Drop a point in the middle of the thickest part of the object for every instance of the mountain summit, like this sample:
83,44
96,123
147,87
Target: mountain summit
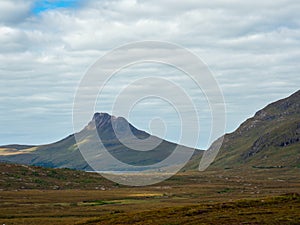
111,127
120,138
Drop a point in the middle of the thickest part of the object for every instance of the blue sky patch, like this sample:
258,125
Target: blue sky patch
45,5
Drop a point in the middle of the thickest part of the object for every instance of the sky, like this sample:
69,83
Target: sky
46,47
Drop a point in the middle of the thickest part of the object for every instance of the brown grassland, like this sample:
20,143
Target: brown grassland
245,196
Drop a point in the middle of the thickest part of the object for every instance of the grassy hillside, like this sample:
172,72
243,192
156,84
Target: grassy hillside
62,154
18,177
270,139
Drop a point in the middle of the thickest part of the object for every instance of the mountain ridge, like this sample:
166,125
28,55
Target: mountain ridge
269,139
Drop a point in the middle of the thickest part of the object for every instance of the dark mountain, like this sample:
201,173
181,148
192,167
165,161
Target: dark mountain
270,139
122,140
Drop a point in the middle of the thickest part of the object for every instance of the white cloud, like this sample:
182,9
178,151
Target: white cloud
14,11
252,47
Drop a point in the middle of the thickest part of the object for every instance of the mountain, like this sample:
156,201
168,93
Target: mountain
115,134
270,139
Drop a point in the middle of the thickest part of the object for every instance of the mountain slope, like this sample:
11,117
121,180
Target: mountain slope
114,134
269,139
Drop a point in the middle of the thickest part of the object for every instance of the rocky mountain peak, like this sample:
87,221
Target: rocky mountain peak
101,119
110,127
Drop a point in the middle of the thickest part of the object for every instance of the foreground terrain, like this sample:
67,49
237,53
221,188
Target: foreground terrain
245,196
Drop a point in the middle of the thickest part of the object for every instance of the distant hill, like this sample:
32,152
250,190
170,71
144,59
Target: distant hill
270,139
110,129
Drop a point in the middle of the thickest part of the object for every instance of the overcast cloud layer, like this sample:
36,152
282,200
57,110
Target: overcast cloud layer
253,48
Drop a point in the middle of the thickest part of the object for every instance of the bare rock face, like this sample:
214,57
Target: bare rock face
111,127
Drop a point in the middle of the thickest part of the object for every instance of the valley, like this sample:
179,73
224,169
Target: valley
253,196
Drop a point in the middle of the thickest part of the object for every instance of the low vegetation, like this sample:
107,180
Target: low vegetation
35,195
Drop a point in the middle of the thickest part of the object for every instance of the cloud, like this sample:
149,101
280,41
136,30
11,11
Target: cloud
14,11
45,49
12,40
